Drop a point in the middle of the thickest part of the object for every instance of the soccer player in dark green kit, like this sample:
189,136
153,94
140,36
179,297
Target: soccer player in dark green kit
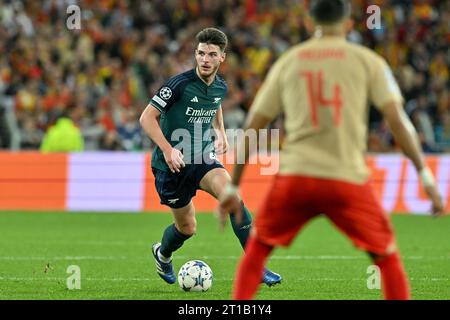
181,119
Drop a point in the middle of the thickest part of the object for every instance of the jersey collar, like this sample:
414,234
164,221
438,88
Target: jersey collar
197,77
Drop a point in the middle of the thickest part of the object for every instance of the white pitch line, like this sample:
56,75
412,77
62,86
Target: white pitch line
64,279
65,258
84,242
293,257
321,257
364,279
216,279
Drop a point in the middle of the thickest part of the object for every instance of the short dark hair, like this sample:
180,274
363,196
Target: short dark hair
329,11
213,36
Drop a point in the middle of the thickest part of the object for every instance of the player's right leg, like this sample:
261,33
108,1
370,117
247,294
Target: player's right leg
173,238
175,191
283,213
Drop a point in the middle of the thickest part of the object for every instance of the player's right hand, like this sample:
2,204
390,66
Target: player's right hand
437,205
174,159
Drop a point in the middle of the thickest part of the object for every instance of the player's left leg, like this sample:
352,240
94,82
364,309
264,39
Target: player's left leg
393,275
361,217
214,182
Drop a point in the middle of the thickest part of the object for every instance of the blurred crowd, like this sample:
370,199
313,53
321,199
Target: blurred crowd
103,75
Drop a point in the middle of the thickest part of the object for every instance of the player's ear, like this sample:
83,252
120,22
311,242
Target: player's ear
348,25
309,24
223,56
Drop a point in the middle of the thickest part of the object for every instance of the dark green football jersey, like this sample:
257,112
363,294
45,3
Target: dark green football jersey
188,107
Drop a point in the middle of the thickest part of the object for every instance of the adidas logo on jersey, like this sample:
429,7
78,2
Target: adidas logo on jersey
194,99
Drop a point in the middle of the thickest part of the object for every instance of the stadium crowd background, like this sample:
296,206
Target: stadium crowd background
104,74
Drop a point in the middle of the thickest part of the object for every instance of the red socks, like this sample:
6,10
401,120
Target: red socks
394,282
250,270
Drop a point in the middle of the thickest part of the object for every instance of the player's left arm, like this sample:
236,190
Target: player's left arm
386,96
221,144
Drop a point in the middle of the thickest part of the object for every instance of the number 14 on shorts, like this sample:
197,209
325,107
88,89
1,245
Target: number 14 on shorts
316,98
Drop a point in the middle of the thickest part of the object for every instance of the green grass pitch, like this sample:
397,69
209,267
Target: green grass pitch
113,253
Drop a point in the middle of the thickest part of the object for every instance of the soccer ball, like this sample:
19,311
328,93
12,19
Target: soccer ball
195,276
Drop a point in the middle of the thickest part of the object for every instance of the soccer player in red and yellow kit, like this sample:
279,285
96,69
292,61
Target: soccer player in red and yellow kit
323,87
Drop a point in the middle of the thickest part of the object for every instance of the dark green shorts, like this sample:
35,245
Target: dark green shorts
177,189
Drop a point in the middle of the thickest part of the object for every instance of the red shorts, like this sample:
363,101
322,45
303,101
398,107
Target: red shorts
353,209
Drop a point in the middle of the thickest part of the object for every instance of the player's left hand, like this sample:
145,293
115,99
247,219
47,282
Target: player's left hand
432,192
221,144
229,201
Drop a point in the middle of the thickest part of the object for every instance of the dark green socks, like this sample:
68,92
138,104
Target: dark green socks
171,241
242,231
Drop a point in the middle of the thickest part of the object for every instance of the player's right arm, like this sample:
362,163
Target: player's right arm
265,107
150,123
149,120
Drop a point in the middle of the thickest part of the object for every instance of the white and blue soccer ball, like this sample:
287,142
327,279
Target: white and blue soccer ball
195,276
